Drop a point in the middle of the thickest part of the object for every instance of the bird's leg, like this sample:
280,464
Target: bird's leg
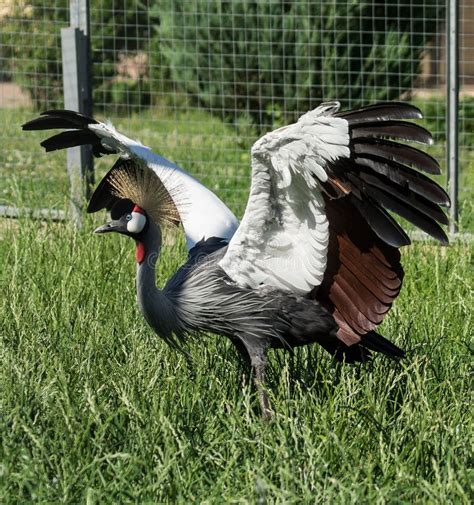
245,358
255,353
258,372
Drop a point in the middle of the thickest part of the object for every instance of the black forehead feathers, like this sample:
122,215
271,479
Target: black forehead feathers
121,207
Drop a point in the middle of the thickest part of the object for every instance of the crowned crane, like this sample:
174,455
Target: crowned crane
316,255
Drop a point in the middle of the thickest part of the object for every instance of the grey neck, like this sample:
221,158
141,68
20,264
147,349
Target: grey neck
154,304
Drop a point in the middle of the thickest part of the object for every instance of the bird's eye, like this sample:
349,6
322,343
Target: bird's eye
135,222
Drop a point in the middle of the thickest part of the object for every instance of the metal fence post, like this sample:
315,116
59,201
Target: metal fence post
76,59
452,122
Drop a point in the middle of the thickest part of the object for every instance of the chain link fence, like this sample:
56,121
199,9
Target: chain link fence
198,81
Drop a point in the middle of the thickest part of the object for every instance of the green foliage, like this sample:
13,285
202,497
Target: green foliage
31,45
122,28
275,59
264,60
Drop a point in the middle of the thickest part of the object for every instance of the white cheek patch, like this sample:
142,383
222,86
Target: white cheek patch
137,223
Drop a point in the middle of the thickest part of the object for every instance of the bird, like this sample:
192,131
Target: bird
316,255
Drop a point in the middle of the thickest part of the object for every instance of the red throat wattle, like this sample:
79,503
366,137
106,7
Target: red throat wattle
140,252
140,247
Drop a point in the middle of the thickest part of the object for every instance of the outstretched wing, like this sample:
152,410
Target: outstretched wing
283,238
317,218
363,274
201,212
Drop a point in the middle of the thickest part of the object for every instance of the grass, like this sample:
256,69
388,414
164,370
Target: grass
94,408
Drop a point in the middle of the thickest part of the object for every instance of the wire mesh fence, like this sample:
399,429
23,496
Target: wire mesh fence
30,78
198,81
466,127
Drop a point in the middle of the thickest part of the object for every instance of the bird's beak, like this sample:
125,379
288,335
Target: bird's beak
108,227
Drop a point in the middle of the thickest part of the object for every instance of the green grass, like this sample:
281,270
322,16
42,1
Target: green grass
94,408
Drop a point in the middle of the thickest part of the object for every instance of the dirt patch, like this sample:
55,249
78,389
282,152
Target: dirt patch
12,96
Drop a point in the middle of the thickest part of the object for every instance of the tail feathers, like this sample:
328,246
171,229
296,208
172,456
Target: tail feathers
348,354
375,342
362,352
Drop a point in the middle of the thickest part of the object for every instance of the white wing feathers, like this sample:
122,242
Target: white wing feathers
283,238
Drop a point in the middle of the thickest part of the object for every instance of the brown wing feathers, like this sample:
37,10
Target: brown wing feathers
364,274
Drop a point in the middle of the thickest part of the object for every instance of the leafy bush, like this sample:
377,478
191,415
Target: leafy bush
121,48
274,59
31,45
264,61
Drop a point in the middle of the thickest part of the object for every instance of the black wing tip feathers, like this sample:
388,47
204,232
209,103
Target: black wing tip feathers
103,197
58,118
69,138
69,114
382,111
385,173
403,176
381,222
394,151
76,130
392,129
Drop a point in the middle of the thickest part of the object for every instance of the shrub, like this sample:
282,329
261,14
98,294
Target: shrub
275,59
121,44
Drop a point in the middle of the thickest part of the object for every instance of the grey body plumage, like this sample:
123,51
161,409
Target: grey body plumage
200,297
